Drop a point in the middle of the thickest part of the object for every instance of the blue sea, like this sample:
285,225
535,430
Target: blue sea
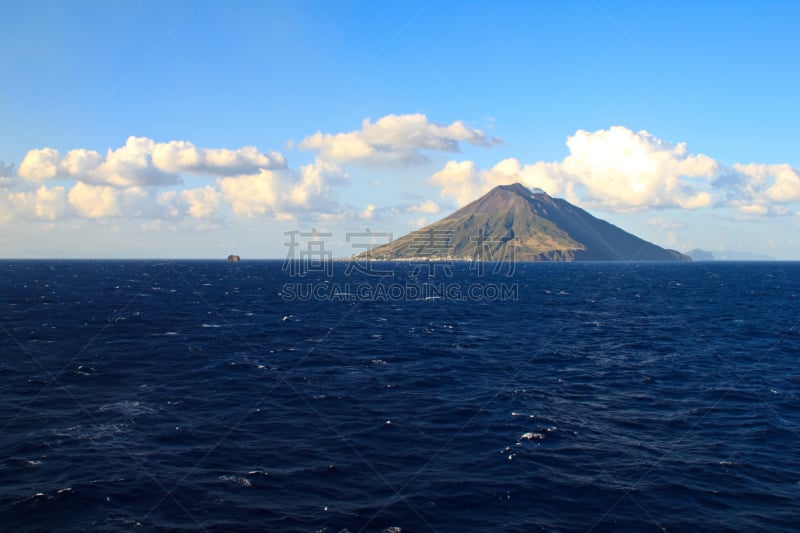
206,395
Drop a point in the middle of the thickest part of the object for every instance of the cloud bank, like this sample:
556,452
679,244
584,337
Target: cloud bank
128,182
143,162
621,170
614,169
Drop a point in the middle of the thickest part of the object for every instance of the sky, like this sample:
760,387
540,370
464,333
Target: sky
198,129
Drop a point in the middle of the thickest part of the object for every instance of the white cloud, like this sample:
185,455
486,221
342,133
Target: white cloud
121,183
41,204
785,183
145,162
103,201
544,175
282,194
625,170
94,201
89,201
464,181
429,206
617,169
394,140
757,189
461,181
251,194
279,192
39,165
369,212
183,156
131,165
79,163
316,184
201,203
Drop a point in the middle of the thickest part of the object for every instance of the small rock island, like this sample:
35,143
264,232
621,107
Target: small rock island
234,258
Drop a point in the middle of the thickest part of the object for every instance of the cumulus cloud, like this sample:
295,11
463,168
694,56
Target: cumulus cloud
40,165
124,182
252,194
129,180
282,194
200,203
757,189
461,180
430,207
132,165
626,170
79,163
143,162
94,201
464,181
278,192
89,201
316,184
617,169
395,140
42,204
183,156
103,201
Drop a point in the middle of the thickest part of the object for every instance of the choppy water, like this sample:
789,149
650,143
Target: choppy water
206,395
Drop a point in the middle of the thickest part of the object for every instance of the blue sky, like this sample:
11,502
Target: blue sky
198,129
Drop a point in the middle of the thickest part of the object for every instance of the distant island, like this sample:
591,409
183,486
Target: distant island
704,255
514,223
234,259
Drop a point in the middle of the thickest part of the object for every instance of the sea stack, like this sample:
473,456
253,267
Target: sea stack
234,258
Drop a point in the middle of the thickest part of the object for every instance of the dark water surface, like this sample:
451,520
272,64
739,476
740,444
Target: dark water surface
205,395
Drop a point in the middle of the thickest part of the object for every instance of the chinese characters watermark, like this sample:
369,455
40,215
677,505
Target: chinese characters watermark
370,270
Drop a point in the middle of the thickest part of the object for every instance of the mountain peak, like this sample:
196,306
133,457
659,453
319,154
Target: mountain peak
514,187
517,188
512,222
